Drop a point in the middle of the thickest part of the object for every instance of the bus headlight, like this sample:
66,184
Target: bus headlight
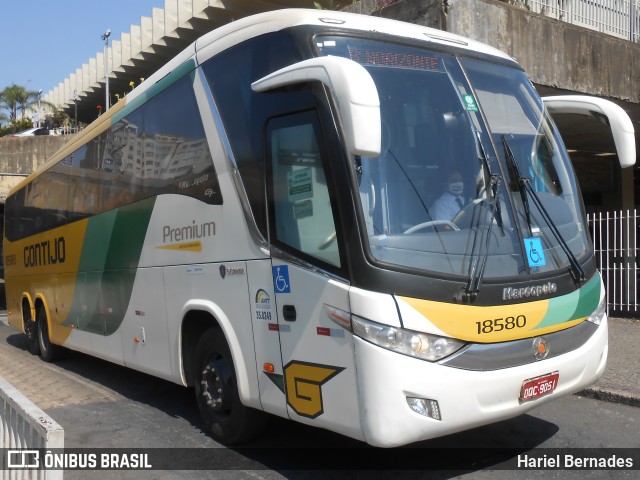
598,314
415,344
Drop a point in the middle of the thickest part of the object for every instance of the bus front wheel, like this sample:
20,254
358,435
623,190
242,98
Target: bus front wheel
226,419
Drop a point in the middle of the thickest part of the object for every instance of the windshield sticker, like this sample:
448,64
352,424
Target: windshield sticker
303,209
535,253
470,103
300,184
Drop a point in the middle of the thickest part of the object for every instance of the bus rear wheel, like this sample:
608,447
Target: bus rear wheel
226,419
31,331
48,351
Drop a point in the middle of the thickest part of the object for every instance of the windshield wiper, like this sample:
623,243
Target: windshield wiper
520,180
493,183
476,269
525,186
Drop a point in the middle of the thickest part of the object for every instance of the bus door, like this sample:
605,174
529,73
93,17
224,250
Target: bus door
318,369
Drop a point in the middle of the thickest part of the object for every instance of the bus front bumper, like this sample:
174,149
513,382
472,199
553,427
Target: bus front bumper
465,398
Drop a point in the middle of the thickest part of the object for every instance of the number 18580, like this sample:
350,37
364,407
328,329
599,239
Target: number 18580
500,324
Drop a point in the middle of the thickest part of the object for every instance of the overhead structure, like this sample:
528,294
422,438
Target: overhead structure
138,53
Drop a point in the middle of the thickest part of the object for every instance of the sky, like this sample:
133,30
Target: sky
43,41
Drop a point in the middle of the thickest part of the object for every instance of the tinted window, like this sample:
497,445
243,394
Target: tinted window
245,113
159,148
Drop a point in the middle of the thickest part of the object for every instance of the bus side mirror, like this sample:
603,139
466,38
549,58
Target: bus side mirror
353,90
617,119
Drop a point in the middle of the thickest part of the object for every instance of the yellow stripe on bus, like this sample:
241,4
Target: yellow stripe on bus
46,266
488,324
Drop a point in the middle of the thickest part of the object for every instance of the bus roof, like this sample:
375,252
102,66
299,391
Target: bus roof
254,25
246,28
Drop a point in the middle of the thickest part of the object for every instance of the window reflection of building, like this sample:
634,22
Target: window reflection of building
159,148
155,156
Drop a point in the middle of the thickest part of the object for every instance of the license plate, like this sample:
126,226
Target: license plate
539,387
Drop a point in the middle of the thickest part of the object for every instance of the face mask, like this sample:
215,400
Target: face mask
456,188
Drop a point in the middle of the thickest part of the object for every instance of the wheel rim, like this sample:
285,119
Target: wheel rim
216,387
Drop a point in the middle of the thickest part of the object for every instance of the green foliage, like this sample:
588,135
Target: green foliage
16,98
16,126
16,102
331,5
338,4
59,118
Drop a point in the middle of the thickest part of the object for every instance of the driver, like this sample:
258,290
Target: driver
452,200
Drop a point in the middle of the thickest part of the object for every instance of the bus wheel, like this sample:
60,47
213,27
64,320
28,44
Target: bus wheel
48,351
31,331
226,419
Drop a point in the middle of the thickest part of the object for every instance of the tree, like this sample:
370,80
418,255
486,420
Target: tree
17,98
10,98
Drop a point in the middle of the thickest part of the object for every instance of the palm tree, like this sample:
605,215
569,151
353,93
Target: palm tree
10,98
17,98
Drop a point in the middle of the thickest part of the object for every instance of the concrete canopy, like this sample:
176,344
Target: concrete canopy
138,53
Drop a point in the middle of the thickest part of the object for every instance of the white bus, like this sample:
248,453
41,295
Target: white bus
258,220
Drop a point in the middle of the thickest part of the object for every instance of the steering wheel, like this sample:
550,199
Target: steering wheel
475,211
431,223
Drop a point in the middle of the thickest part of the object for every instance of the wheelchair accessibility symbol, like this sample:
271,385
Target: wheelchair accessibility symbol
281,279
535,253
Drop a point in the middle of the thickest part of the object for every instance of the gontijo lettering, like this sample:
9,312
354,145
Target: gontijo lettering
45,253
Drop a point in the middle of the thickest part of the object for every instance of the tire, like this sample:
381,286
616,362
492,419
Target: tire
31,331
48,351
226,419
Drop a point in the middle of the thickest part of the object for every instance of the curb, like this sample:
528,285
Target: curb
610,396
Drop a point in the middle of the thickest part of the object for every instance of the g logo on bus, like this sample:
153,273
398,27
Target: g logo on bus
304,383
540,348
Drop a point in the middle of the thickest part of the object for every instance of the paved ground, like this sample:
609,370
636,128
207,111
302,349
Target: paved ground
100,404
620,382
45,385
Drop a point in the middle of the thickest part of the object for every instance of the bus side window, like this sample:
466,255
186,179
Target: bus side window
300,203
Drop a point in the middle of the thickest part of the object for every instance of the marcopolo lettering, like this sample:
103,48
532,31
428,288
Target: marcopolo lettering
188,232
45,253
510,293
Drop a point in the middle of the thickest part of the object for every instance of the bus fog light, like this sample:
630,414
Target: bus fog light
424,406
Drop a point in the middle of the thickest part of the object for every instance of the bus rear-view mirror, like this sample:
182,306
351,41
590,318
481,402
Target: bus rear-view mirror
352,88
616,117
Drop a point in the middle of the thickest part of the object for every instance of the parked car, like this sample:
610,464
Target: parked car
32,131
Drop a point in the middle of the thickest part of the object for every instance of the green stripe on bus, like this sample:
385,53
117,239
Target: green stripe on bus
162,84
108,264
589,298
575,305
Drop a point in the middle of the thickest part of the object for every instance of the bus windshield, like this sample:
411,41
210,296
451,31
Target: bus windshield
446,193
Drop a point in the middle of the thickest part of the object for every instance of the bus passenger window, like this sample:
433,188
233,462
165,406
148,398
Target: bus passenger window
301,206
